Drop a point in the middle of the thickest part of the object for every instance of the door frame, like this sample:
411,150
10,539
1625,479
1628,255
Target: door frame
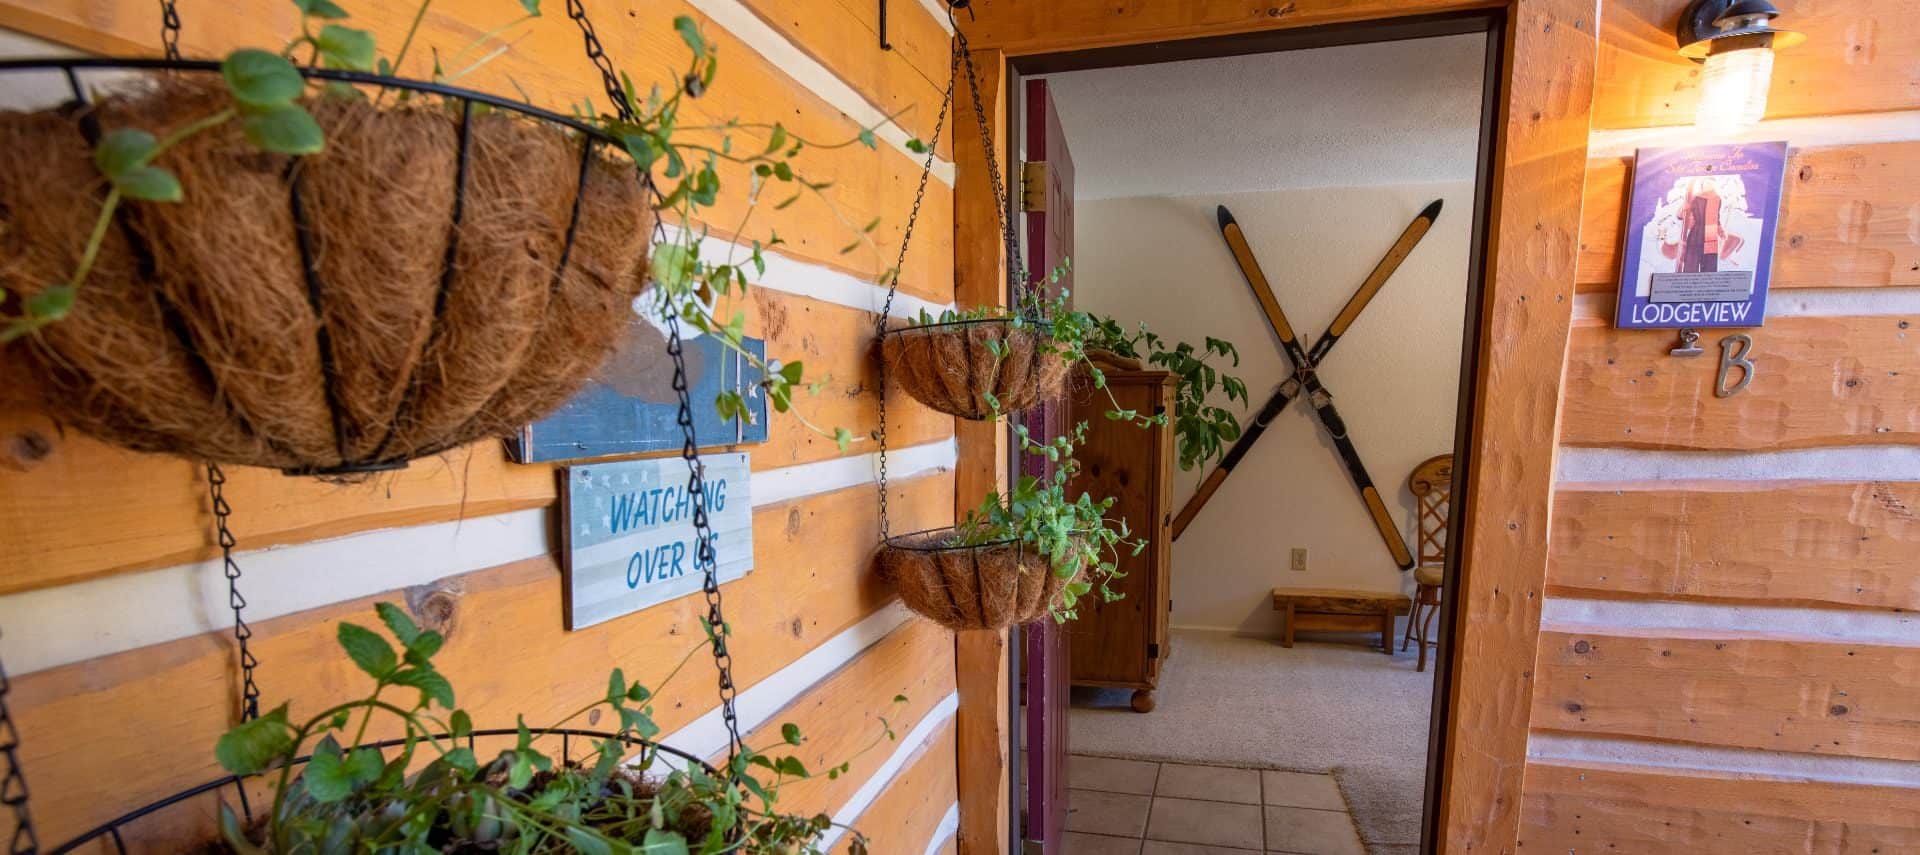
1538,99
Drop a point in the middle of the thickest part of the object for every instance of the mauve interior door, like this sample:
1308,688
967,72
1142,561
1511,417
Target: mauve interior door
1049,235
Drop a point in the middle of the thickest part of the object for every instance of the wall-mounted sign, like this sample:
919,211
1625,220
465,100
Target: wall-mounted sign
1699,240
628,538
629,406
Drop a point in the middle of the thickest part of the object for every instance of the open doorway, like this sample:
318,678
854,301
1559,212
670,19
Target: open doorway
1239,697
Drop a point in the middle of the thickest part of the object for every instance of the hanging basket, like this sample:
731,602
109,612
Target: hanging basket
452,266
953,367
118,831
988,586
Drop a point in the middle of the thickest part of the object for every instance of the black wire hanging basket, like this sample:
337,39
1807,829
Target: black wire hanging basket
976,369
962,585
117,830
453,265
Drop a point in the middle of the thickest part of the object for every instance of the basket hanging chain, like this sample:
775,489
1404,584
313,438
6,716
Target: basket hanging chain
597,54
242,633
1016,266
899,267
703,552
13,782
170,29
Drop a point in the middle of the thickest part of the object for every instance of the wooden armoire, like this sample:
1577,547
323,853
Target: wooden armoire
1122,644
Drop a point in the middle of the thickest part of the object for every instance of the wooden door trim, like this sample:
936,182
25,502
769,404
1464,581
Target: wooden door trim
1521,325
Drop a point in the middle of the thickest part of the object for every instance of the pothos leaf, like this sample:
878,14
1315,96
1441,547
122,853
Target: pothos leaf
690,33
286,129
123,149
251,746
345,47
259,78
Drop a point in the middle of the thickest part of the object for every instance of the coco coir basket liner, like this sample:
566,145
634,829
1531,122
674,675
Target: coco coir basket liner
436,276
951,367
985,586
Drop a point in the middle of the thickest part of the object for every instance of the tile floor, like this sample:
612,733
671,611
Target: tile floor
1133,807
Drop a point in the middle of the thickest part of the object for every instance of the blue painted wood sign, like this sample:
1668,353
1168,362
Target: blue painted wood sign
628,540
629,406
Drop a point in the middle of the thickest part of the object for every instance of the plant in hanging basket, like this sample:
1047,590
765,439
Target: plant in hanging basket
436,795
294,267
1016,558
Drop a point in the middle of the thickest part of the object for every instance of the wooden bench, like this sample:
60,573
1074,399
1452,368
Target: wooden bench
1334,609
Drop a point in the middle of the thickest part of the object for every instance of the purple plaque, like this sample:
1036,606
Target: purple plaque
1699,239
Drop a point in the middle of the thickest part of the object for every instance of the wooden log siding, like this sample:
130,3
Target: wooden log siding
847,717
906,818
1608,809
1819,381
1796,544
1742,690
1861,56
54,485
1792,732
906,82
507,651
1846,219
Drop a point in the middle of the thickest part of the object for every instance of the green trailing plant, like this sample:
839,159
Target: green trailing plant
1074,533
434,794
1202,431
1081,544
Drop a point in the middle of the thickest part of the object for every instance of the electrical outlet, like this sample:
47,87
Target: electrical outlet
1299,560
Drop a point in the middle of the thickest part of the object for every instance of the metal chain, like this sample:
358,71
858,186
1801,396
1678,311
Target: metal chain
242,633
597,53
13,787
1016,266
704,557
899,266
170,29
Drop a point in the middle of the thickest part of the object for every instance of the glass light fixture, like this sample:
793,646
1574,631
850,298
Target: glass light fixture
1736,40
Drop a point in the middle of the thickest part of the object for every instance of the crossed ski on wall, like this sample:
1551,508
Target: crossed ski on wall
1306,378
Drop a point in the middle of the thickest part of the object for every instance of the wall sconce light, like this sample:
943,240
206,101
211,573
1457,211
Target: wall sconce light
1736,40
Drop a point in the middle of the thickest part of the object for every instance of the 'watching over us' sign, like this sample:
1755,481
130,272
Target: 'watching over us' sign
629,539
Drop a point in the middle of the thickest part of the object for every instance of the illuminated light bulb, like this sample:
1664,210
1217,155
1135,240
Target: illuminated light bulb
1733,90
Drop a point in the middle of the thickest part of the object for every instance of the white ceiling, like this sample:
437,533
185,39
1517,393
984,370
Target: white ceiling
1385,113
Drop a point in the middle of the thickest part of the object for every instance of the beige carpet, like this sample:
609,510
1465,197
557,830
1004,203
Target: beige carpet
1317,707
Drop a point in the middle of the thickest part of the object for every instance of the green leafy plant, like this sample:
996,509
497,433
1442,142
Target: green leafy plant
1073,533
1202,431
687,158
432,793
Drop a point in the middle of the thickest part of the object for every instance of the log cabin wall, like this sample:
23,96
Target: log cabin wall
113,601
1727,656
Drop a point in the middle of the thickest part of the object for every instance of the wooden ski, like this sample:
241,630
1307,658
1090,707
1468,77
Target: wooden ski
1402,247
1305,363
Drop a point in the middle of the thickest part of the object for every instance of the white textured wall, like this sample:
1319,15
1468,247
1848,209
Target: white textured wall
1394,375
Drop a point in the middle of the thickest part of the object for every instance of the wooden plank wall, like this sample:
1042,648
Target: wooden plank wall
1728,653
126,691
